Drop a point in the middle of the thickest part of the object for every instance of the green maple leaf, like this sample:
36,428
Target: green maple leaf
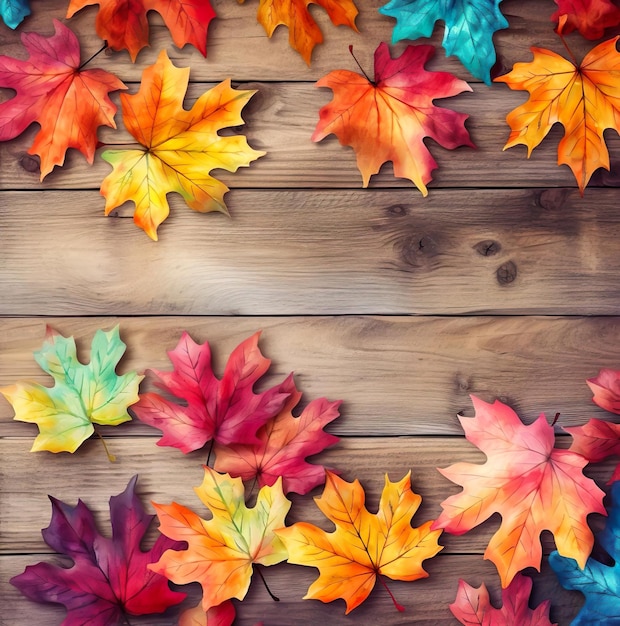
82,395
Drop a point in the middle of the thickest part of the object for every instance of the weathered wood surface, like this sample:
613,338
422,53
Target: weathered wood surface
396,375
503,283
317,252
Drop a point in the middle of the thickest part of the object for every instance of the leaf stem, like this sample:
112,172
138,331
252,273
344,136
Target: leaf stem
399,607
271,595
105,45
110,456
555,419
561,36
372,82
209,453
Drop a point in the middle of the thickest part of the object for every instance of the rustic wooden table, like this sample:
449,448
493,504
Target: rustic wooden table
502,283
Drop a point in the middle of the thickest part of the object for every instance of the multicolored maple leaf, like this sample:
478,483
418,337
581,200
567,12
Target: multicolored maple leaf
13,12
364,546
180,147
596,441
473,607
123,24
304,32
109,577
469,28
530,483
388,119
583,98
589,17
68,102
82,395
599,582
606,390
221,551
285,442
226,411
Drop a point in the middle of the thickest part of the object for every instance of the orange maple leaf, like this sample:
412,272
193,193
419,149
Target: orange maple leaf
583,98
533,485
304,33
364,546
388,119
51,88
180,147
222,550
124,25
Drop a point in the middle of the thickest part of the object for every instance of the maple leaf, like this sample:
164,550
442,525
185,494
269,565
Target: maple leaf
533,485
82,395
364,546
69,103
582,98
589,17
225,410
606,390
473,607
387,120
596,441
469,28
13,12
599,582
180,147
222,550
123,24
285,441
109,577
304,33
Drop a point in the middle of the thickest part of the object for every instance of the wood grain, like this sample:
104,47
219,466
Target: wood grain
426,601
396,376
316,252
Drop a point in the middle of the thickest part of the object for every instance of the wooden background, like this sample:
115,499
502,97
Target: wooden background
503,283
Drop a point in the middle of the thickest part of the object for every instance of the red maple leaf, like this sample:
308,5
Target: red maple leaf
226,411
606,390
596,441
388,119
109,577
473,607
589,17
68,102
285,442
124,25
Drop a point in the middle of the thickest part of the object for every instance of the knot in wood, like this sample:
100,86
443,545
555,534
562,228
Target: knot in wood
488,247
415,248
397,210
506,273
30,163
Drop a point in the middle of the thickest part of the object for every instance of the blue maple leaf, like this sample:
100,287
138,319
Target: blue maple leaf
469,28
14,11
599,583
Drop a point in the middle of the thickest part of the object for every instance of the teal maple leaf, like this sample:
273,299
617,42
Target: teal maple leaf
469,28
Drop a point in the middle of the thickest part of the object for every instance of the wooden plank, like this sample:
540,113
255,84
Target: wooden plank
166,475
316,252
280,120
396,376
238,46
426,601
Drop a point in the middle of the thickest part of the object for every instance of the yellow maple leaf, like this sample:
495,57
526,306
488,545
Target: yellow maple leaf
584,98
364,546
180,147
